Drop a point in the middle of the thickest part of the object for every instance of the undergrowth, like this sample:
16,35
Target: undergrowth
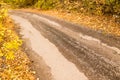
9,41
13,61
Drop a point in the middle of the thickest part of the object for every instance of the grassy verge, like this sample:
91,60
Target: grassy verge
14,64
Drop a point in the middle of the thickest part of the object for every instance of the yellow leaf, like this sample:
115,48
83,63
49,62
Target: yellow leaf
1,54
10,55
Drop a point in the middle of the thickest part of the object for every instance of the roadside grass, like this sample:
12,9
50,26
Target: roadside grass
14,63
105,24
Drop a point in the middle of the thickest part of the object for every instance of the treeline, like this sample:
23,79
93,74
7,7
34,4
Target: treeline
98,7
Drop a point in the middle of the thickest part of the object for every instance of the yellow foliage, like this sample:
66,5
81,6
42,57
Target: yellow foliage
1,39
9,41
12,44
10,55
3,14
1,54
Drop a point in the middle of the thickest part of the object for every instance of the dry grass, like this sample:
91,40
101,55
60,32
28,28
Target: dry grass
105,24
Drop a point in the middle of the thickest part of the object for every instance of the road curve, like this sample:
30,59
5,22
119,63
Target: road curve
71,52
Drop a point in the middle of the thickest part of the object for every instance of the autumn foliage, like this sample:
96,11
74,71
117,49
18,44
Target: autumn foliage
98,7
13,61
9,41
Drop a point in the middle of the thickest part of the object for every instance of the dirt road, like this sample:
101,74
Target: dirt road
61,50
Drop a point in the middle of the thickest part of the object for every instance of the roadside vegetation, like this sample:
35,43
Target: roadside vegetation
14,64
101,15
99,7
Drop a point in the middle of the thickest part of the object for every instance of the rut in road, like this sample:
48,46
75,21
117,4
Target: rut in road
98,66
